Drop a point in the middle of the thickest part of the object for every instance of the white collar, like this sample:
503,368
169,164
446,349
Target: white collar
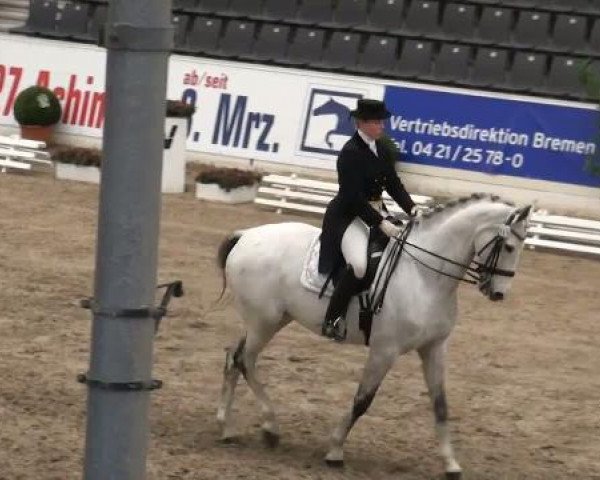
369,141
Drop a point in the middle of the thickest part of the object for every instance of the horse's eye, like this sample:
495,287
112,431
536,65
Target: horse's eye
509,248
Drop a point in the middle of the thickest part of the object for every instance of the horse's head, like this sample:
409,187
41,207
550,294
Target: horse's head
498,250
331,107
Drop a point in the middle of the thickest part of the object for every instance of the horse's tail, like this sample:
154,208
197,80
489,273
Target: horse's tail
224,250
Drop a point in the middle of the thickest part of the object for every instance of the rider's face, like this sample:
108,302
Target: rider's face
373,128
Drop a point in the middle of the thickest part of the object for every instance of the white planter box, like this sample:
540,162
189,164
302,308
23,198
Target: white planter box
67,171
173,168
214,193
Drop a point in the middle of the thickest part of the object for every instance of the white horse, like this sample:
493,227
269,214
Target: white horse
263,267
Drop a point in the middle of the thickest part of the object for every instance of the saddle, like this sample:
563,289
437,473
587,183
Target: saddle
370,295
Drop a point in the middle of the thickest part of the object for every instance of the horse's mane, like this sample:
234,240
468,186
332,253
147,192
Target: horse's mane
462,202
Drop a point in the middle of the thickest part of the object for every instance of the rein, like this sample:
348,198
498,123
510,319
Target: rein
478,272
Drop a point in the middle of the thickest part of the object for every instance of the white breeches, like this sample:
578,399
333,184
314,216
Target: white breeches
354,246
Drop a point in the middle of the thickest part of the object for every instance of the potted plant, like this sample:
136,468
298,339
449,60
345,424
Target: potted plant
229,185
37,110
590,78
77,163
177,122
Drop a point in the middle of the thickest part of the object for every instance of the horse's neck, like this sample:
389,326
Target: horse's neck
452,235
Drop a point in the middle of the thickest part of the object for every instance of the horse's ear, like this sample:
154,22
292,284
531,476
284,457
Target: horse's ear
523,213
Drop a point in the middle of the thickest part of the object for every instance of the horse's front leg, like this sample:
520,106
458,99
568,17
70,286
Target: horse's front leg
434,370
377,366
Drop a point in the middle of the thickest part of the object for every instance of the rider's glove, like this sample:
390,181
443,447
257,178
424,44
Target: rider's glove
390,229
416,213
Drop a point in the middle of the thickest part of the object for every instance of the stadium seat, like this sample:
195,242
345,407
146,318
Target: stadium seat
521,4
41,19
238,39
451,63
349,13
422,17
569,33
212,6
271,43
532,29
379,54
97,23
184,6
527,71
494,25
594,41
570,5
244,8
341,52
306,46
181,23
458,21
204,35
564,77
489,68
277,10
385,16
73,21
314,12
415,59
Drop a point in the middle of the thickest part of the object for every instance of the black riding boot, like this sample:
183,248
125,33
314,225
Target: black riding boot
334,325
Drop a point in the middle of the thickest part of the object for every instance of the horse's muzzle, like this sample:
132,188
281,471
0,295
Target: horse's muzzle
496,296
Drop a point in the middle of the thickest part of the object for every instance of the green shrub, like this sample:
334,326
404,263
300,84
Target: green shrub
228,178
591,81
88,157
179,109
37,106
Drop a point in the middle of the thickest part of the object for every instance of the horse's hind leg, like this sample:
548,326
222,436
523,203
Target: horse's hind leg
231,374
256,341
261,330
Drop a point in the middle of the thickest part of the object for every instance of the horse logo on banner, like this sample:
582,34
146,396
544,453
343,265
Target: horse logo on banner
328,124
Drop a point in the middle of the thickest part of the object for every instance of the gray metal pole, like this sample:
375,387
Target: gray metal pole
139,37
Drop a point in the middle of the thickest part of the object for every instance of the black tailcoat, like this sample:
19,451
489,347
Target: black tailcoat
362,176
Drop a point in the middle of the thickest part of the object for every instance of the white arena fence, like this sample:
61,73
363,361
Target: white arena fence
546,231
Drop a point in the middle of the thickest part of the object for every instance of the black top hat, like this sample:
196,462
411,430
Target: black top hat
367,109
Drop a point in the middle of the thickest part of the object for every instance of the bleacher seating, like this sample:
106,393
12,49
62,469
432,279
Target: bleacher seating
538,44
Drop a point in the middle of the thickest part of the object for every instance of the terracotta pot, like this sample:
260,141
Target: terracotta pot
37,132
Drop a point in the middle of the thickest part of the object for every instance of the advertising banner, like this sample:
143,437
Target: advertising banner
276,116
494,135
301,118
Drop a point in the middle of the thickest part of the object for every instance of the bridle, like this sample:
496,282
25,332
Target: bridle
479,272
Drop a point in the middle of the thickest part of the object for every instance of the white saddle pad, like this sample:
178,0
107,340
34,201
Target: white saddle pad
310,278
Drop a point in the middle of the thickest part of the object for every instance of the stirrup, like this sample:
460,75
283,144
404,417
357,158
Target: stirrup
335,329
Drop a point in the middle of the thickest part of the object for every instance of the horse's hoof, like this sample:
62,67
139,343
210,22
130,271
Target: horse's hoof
334,463
453,475
271,439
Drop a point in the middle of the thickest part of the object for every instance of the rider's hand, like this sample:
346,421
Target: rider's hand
416,213
390,229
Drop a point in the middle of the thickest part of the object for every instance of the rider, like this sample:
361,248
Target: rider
365,168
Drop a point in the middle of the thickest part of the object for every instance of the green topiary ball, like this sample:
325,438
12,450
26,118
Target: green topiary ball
37,106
